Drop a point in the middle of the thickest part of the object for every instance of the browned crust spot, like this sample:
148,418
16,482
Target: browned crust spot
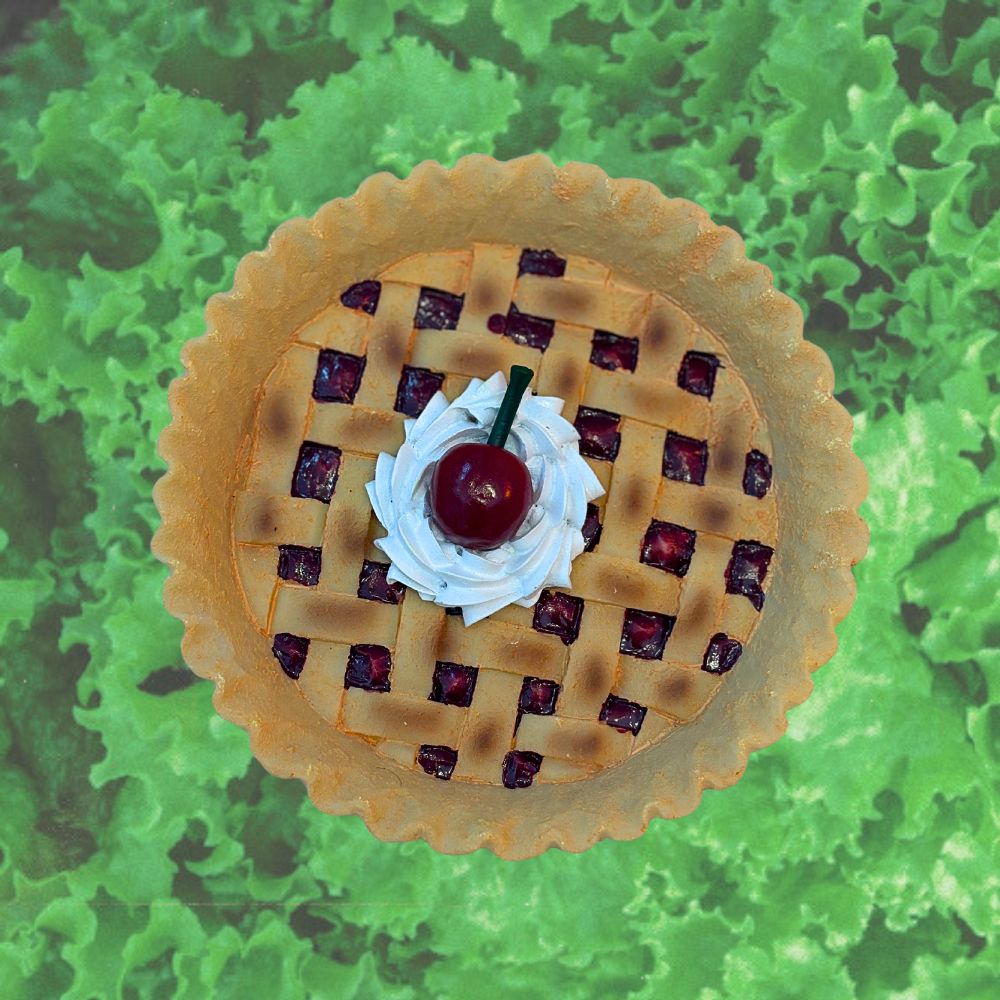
595,674
566,376
342,544
636,495
674,689
480,359
715,515
659,332
701,612
728,458
529,654
278,416
394,343
565,299
266,518
396,718
626,588
322,615
649,397
367,422
585,745
444,641
485,296
432,635
486,739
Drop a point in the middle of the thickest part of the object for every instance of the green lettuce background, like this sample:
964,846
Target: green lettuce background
145,147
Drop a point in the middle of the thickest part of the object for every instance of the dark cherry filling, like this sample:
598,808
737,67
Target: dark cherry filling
438,761
453,684
685,459
599,435
416,387
519,768
437,310
316,471
645,633
697,373
290,651
612,352
368,667
722,654
532,331
592,528
300,564
543,262
338,376
364,296
373,585
538,696
625,716
757,475
668,546
497,323
558,614
747,569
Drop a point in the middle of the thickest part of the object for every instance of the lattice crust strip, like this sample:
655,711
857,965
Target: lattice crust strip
678,558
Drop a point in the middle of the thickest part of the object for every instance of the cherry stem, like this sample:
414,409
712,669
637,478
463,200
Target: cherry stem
520,377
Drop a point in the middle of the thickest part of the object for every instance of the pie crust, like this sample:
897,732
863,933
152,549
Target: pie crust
718,560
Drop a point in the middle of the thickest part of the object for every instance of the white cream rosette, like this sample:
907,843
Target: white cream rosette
542,551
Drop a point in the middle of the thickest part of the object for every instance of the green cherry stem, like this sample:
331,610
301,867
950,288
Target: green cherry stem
520,377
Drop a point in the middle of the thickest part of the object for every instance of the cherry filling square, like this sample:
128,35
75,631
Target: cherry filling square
538,696
721,654
558,614
437,310
522,328
697,373
625,716
645,633
685,459
373,584
591,528
613,353
668,547
316,471
368,667
757,474
437,761
290,652
746,570
599,434
543,262
364,296
415,390
453,684
338,376
300,564
519,768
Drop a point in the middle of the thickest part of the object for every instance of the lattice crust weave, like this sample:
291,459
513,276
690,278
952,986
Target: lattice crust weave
679,549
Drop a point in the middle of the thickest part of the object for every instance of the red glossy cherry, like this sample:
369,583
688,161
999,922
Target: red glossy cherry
480,495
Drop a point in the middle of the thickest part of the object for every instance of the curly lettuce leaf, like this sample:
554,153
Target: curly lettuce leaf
391,111
144,852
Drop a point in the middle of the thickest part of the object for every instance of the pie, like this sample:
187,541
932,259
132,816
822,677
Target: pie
714,567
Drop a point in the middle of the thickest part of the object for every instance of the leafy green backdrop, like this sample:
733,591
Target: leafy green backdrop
145,147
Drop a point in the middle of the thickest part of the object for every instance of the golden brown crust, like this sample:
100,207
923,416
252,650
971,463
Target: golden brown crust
703,286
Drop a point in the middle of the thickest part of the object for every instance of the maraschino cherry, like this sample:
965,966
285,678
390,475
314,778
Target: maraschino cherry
481,493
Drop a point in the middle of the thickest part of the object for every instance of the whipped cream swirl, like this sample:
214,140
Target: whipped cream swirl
538,556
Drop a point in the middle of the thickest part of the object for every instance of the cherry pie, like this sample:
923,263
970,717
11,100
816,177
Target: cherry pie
714,568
